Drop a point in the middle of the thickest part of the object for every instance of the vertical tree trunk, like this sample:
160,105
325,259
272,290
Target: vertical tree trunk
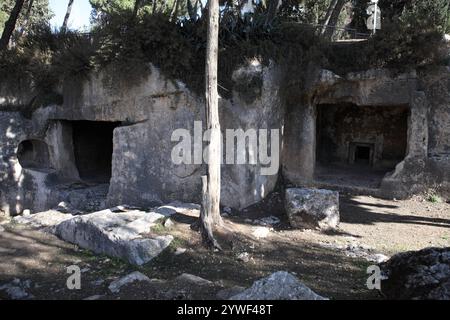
66,18
210,213
332,23
10,25
327,18
137,6
272,10
27,18
174,11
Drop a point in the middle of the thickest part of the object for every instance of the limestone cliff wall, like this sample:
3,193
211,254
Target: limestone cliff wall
148,112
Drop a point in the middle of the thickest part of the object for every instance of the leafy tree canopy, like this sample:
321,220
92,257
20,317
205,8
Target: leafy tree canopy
39,13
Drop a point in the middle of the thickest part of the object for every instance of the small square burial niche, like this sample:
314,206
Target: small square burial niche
34,154
93,149
358,145
361,153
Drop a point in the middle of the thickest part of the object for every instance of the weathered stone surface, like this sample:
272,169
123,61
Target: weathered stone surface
117,234
47,219
116,285
423,274
312,208
149,111
255,104
280,285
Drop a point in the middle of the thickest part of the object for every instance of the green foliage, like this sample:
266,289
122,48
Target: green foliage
104,10
39,13
129,43
434,198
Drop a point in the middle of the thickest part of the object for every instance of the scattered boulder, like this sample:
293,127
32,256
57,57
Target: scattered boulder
244,257
2,229
119,234
261,232
116,285
17,289
356,250
280,285
267,221
168,223
46,220
65,207
179,251
312,208
417,275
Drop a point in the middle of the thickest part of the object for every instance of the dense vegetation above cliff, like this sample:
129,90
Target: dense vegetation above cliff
125,41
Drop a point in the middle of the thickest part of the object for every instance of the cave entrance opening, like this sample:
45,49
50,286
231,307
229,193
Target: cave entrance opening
358,145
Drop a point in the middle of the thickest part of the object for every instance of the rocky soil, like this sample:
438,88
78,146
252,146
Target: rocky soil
33,264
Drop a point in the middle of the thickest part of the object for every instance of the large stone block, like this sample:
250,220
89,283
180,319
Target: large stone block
312,208
125,235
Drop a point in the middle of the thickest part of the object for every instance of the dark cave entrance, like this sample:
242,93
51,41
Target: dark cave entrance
93,149
357,146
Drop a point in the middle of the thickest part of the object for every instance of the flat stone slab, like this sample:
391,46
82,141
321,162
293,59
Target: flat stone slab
46,219
312,208
123,235
280,285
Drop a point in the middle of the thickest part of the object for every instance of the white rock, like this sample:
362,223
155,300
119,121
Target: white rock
116,285
244,256
261,232
179,251
280,285
168,223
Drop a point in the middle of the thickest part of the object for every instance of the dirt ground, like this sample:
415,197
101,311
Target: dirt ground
316,258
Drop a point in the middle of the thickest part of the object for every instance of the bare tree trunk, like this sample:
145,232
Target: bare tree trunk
193,9
27,18
334,19
272,10
137,6
174,11
327,18
10,25
210,213
67,16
